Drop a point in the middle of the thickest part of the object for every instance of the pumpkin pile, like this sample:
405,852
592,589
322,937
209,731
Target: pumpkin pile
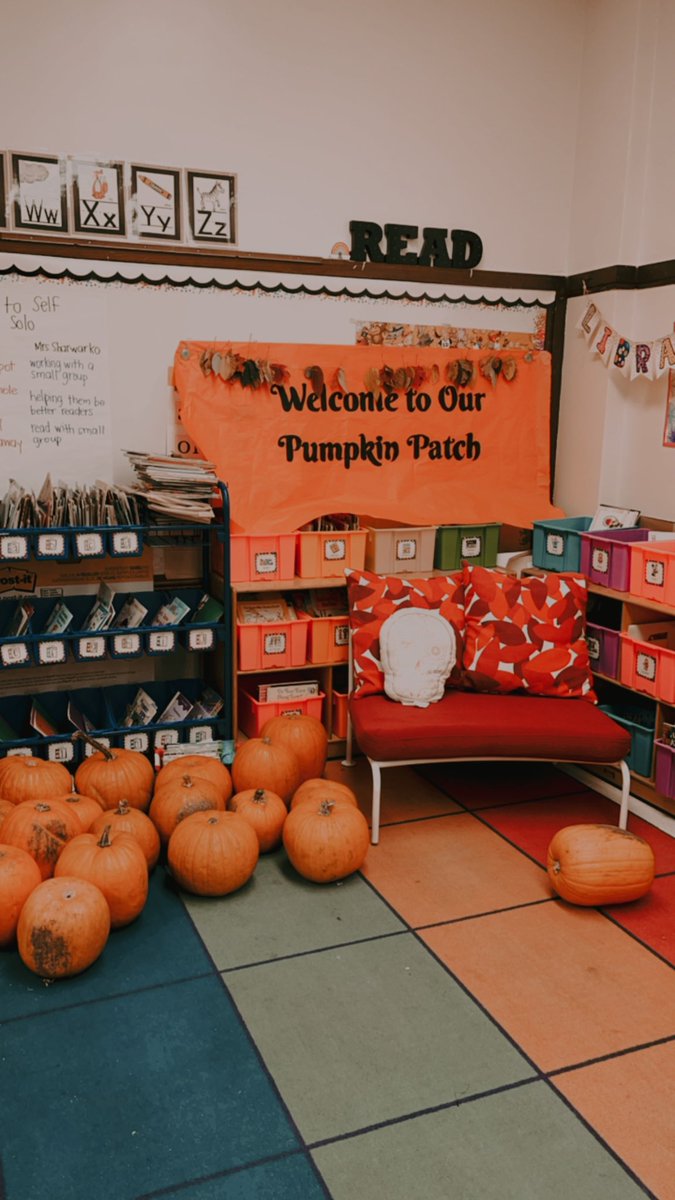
76,852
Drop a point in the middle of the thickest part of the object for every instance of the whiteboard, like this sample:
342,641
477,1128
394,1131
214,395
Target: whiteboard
86,347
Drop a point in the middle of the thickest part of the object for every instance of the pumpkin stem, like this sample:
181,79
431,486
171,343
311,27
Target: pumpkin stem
123,808
84,737
259,795
188,781
104,839
325,807
555,867
40,807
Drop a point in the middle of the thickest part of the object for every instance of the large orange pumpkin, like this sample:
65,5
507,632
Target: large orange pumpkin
200,766
113,775
125,819
113,863
19,876
259,763
212,853
599,864
42,829
63,927
305,736
323,789
25,777
179,798
265,812
6,808
327,840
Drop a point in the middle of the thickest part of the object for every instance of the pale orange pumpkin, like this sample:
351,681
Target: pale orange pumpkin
19,876
199,766
212,853
85,808
259,763
63,927
42,829
179,798
115,864
323,789
305,736
111,775
25,777
265,812
599,864
327,840
125,819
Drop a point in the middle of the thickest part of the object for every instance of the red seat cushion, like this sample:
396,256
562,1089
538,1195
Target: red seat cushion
474,725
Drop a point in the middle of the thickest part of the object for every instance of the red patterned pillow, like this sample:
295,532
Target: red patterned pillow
373,598
526,634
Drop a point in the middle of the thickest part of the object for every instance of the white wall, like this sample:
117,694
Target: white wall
442,112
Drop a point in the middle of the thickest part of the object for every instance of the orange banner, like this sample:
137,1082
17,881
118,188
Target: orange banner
422,436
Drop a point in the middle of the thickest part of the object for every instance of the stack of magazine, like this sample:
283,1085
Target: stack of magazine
64,505
175,489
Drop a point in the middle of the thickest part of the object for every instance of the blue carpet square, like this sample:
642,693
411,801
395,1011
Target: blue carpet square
160,946
129,1095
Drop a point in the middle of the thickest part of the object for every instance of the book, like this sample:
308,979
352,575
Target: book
264,609
130,615
207,612
607,517
140,711
171,613
178,709
302,689
59,619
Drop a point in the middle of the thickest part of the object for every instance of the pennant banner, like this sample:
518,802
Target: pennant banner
419,436
633,359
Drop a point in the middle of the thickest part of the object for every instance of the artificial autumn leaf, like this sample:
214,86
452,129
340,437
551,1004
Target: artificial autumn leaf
205,361
279,372
342,379
227,366
434,374
509,369
372,379
315,376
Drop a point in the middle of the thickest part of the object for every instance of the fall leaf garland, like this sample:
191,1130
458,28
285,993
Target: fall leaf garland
255,373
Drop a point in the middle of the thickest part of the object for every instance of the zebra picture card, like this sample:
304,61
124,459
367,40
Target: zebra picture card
211,201
39,194
155,202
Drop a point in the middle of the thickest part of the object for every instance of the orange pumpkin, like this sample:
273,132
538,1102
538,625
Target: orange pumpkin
6,807
113,775
265,812
180,797
259,763
42,829
212,853
327,840
63,927
113,863
19,876
200,766
25,777
305,736
599,864
85,808
323,789
125,819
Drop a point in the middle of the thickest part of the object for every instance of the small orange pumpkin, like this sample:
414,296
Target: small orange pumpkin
200,766
42,829
85,808
113,863
113,775
305,736
180,797
19,876
327,840
63,927
125,819
212,853
323,789
259,763
25,777
265,812
599,864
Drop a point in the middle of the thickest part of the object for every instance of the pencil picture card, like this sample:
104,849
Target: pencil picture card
211,206
39,193
98,197
155,203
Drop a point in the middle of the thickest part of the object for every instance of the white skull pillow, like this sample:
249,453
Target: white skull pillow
418,650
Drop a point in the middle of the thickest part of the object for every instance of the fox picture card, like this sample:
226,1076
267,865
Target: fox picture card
98,197
39,193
